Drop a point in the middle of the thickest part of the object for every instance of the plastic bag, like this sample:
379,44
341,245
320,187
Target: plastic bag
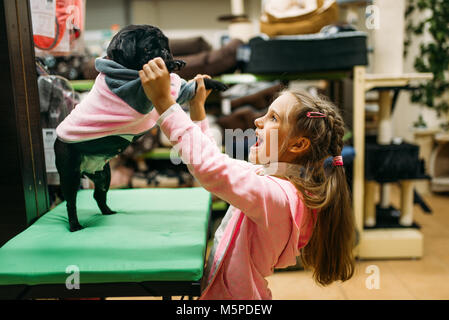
57,99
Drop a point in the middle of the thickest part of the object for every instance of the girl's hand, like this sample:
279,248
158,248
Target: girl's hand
156,84
197,111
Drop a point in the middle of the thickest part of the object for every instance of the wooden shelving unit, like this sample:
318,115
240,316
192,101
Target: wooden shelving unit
379,243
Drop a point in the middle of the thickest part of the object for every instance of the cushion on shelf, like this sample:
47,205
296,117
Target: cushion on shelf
157,235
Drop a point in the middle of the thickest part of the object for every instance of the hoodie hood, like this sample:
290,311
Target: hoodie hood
303,218
303,223
126,84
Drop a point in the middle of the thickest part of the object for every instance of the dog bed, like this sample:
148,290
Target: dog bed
157,235
306,53
212,62
393,162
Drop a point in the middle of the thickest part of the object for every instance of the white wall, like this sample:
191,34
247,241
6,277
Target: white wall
177,18
181,18
406,112
101,14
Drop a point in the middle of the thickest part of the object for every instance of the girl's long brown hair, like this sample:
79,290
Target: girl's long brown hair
329,250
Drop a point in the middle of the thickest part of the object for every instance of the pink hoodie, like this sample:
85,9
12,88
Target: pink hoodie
102,113
265,226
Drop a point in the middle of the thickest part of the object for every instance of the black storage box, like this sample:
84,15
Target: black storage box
393,162
307,53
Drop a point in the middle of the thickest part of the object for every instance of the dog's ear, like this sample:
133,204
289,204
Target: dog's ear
122,48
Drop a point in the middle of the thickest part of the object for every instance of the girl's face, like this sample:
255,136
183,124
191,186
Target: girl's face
272,131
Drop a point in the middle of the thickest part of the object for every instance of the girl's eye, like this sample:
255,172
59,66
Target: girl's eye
273,118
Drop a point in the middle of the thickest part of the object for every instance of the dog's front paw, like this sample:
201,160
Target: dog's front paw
75,227
214,85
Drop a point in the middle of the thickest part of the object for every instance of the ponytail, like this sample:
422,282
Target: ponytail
329,252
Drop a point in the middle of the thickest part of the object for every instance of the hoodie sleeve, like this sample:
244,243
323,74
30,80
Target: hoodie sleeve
232,180
204,126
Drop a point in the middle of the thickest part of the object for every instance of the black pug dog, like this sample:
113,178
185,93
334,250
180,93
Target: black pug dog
114,114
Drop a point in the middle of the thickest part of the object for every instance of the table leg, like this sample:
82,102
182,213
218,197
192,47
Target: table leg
385,135
370,205
406,218
385,191
359,146
385,132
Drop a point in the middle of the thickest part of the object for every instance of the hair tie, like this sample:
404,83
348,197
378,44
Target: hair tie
337,161
314,114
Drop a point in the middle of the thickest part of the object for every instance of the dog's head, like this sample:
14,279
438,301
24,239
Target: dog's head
135,45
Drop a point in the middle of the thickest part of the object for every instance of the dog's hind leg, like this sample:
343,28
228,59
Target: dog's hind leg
68,166
102,181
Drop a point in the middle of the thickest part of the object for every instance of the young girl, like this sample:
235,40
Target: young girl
282,203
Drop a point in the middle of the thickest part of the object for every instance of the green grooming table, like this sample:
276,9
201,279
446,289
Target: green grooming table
154,246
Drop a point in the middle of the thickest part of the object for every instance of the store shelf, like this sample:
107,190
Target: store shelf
390,244
219,206
354,3
163,154
82,85
160,154
394,80
237,78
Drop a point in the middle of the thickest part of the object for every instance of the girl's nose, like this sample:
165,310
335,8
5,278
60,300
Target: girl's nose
258,122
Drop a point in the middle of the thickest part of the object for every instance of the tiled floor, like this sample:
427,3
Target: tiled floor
426,278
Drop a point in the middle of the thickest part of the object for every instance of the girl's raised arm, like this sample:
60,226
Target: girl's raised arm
234,181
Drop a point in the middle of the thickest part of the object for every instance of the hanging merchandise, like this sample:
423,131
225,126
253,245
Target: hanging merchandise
71,67
292,17
58,26
57,99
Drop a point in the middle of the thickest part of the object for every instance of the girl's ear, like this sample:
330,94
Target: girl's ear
300,146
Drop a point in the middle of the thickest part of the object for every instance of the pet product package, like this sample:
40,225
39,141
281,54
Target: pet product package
58,26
